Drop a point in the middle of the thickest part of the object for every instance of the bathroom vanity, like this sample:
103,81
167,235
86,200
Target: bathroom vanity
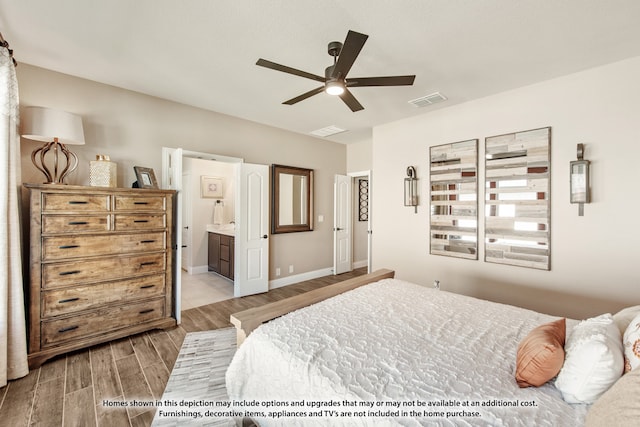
221,240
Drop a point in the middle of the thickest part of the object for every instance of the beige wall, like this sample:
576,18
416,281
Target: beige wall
359,156
132,128
594,258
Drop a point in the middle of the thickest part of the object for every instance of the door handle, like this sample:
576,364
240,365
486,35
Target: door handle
265,237
338,229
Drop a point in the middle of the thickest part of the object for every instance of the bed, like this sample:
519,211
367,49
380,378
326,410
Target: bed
393,351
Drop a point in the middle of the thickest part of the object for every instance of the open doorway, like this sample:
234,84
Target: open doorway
352,222
250,199
204,212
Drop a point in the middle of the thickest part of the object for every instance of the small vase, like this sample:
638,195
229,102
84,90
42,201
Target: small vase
102,172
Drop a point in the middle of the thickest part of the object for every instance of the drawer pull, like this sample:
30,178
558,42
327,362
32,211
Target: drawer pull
149,310
147,241
68,328
78,222
68,273
147,286
142,264
140,220
68,246
62,301
78,202
140,203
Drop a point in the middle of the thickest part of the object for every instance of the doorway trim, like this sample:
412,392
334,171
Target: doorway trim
354,197
167,182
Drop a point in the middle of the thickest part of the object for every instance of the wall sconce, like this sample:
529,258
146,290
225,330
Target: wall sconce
579,181
55,129
411,189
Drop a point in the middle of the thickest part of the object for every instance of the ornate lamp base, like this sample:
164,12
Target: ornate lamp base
55,177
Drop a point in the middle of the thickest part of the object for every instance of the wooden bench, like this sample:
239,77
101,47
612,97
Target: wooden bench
248,320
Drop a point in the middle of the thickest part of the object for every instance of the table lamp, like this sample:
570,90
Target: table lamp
56,129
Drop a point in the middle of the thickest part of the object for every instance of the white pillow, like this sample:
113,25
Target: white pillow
594,360
631,342
625,316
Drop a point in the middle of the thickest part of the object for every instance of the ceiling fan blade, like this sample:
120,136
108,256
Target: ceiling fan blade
350,50
351,101
272,65
304,96
381,81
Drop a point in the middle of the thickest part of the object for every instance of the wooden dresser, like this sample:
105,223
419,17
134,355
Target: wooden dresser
100,266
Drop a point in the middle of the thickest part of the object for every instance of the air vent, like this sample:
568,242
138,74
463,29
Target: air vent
328,131
430,99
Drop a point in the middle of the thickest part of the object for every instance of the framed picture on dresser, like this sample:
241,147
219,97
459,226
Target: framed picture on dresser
146,177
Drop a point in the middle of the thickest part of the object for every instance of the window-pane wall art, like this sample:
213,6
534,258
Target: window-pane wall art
453,199
363,199
517,199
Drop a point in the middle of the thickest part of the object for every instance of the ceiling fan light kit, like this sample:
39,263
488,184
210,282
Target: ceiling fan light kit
335,80
334,88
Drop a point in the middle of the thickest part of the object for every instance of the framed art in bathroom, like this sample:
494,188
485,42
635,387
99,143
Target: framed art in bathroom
211,187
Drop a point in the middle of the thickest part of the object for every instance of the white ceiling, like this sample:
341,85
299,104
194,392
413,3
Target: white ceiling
203,52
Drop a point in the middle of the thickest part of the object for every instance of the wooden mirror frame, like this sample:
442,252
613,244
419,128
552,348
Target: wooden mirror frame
276,172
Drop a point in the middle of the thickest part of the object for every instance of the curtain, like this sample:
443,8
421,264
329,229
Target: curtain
13,334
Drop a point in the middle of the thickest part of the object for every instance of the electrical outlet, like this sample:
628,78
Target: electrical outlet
291,269
277,271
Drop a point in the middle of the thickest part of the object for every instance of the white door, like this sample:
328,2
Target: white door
342,251
369,231
186,223
172,179
252,230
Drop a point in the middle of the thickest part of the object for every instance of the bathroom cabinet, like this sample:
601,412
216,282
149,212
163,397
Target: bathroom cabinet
221,254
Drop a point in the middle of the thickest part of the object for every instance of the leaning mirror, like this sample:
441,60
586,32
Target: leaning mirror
291,199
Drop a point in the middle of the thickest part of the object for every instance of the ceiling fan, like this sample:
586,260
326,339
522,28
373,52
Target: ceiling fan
335,76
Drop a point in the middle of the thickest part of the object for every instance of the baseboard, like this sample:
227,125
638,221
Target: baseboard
359,264
290,280
198,269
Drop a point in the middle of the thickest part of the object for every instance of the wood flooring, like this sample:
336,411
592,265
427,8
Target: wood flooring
70,390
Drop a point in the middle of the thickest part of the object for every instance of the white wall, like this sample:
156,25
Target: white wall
202,208
593,258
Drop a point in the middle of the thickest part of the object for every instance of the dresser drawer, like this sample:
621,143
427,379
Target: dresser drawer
124,222
57,202
140,203
78,298
63,247
96,322
80,272
71,224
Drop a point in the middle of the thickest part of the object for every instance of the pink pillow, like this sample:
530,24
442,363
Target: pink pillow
541,354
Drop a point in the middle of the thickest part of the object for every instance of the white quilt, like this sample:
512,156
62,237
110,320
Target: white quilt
394,341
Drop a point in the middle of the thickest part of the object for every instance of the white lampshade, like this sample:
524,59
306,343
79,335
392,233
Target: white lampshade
46,124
